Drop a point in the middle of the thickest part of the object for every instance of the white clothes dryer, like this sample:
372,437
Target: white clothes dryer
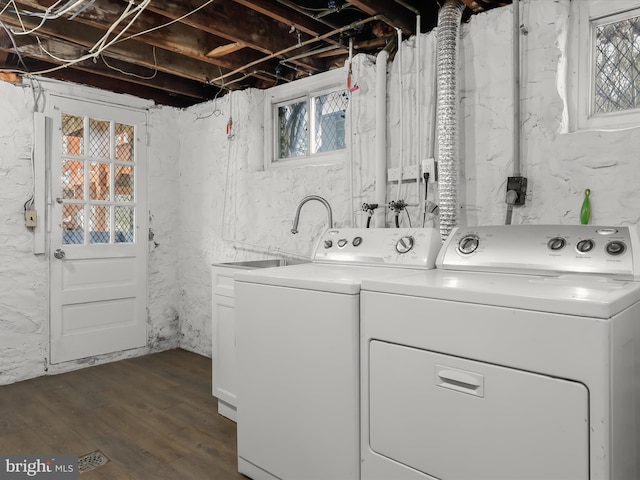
518,358
298,337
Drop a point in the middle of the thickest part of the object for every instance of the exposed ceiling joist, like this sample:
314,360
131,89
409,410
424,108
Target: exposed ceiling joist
181,52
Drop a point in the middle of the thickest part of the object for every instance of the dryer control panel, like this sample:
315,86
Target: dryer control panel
390,247
543,250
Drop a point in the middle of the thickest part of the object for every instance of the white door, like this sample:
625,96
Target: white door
98,229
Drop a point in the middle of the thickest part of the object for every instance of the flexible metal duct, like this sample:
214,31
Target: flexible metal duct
449,20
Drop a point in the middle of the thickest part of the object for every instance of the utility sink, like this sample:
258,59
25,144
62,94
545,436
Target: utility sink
277,262
252,264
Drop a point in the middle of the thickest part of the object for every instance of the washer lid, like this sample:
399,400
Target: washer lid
334,278
581,295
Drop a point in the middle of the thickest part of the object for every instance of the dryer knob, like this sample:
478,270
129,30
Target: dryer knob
468,244
328,243
405,244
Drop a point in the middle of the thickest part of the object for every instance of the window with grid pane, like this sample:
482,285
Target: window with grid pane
617,66
98,167
312,125
605,64
306,121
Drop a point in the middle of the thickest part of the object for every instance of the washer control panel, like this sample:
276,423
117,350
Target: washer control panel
393,247
542,249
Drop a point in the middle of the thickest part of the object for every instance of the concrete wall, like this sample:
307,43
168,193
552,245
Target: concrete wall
211,199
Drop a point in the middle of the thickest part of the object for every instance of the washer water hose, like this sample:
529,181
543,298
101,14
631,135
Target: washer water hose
369,208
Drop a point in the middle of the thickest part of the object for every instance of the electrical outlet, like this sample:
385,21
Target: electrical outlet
429,166
518,185
30,218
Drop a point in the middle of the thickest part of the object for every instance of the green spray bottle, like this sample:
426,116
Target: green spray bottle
585,211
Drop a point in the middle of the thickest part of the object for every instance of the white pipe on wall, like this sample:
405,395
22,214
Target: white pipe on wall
381,139
401,113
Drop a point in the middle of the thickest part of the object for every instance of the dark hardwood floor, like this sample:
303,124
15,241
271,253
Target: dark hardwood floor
152,416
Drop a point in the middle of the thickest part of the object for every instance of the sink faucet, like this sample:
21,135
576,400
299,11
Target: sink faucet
294,228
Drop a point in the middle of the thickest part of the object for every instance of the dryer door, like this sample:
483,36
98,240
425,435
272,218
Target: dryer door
453,418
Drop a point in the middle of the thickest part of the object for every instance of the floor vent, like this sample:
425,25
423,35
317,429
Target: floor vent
91,461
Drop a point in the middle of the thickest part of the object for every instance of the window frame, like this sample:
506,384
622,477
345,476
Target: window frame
300,90
586,16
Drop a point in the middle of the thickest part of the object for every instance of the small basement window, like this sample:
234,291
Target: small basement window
608,49
306,121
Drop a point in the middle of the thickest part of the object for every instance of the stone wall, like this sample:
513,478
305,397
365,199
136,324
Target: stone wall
212,200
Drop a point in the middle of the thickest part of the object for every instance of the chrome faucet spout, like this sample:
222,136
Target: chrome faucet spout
294,228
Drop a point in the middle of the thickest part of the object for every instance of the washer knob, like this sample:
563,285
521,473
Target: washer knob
405,244
556,243
357,241
342,242
585,245
615,248
328,243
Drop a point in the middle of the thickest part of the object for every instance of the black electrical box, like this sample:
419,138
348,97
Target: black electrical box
518,185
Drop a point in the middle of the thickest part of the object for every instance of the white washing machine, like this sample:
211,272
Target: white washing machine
298,352
517,358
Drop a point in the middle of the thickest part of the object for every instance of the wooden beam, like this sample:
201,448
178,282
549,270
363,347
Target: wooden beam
255,31
114,69
222,19
129,51
223,50
84,77
178,38
292,18
398,16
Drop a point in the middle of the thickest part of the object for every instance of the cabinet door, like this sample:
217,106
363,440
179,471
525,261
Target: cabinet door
224,349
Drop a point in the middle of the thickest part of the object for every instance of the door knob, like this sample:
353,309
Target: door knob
59,253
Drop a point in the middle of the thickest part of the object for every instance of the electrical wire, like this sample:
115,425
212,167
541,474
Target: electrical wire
102,43
155,72
104,46
15,47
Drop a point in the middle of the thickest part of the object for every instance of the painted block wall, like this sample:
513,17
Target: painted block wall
212,200
23,276
251,208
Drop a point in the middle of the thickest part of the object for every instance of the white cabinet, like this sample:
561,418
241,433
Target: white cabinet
223,343
223,331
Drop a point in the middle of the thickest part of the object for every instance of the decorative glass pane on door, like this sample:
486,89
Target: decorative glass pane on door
98,188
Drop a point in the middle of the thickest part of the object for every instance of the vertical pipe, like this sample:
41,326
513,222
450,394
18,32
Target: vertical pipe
418,130
516,88
381,138
401,112
350,132
449,20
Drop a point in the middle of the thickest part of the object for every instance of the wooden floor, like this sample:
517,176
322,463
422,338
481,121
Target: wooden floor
152,416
